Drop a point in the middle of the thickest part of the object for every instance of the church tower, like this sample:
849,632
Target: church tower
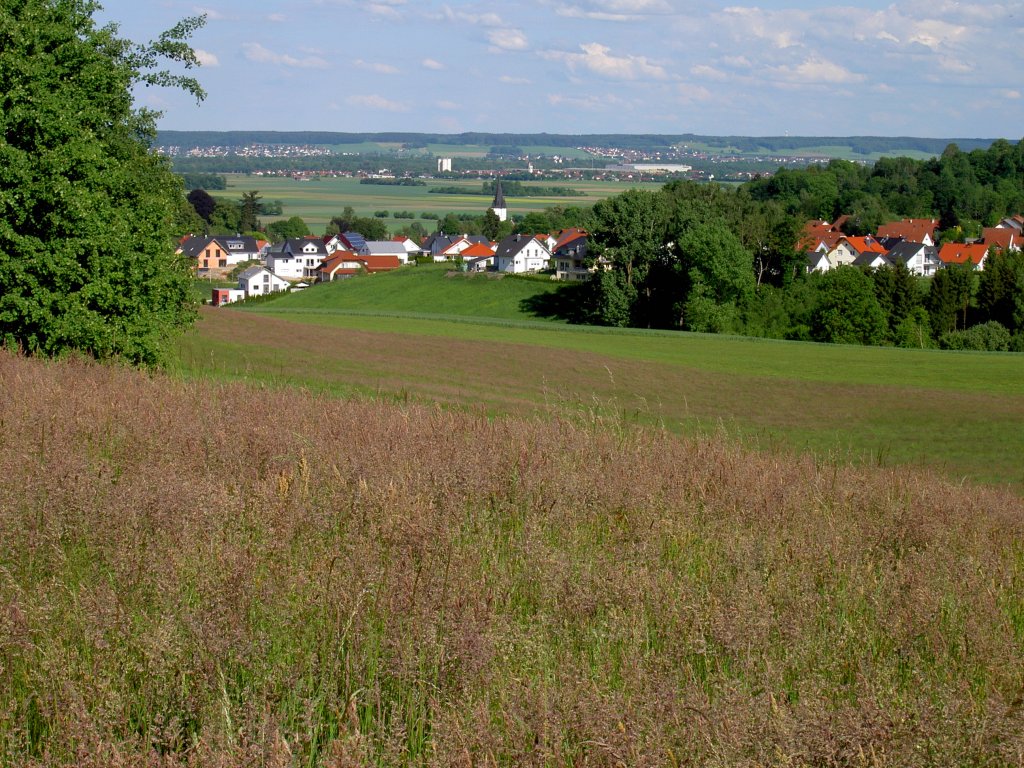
498,206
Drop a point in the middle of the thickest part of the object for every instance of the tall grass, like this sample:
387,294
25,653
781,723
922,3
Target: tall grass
220,574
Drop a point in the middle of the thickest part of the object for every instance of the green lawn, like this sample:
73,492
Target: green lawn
430,289
476,342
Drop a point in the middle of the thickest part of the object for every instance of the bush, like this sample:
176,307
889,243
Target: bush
986,337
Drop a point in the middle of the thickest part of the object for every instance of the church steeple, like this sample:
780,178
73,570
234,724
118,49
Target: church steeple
498,206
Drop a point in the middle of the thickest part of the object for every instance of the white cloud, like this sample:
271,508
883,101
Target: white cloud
509,79
432,64
597,59
374,66
707,72
612,10
377,102
589,103
1010,94
779,28
386,10
277,18
449,105
508,40
476,19
206,58
258,53
816,70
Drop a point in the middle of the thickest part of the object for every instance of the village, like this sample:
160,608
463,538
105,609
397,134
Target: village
297,263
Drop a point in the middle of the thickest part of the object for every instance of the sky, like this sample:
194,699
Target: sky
928,68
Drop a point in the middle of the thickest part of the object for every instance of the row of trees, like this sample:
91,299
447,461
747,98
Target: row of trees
965,190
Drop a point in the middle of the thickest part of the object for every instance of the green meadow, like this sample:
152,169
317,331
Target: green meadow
479,342
317,200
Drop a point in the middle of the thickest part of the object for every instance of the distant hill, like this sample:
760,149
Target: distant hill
864,145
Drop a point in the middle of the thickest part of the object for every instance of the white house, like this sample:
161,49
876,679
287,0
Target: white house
521,253
919,258
297,259
817,261
259,281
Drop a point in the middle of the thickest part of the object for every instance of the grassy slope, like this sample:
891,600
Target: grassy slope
211,574
413,333
431,289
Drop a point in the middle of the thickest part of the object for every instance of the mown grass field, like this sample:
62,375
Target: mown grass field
208,573
316,201
422,335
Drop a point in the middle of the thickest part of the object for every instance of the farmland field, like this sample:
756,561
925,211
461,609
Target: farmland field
960,413
317,200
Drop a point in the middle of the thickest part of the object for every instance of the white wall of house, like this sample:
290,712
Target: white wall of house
287,267
262,283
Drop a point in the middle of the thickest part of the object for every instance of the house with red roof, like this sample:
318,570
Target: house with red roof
820,235
478,257
914,230
1004,238
339,265
572,258
963,253
848,249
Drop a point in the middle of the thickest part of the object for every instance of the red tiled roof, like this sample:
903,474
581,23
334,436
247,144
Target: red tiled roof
961,253
1001,237
476,251
382,263
914,230
567,236
866,245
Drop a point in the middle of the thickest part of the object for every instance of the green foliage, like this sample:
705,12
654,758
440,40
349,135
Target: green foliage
226,217
949,298
609,299
988,337
1001,289
87,212
847,310
897,292
249,209
288,229
204,181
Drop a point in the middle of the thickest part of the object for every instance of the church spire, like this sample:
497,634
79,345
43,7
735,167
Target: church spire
498,206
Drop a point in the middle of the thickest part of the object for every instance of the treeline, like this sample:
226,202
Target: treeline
861,144
964,190
403,182
203,181
511,188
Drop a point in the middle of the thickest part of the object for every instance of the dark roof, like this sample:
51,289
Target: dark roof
294,246
906,250
499,198
251,272
513,244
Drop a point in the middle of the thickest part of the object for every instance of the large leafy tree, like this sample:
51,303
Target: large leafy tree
86,209
847,310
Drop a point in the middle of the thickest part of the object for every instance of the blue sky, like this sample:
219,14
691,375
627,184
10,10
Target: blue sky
934,68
